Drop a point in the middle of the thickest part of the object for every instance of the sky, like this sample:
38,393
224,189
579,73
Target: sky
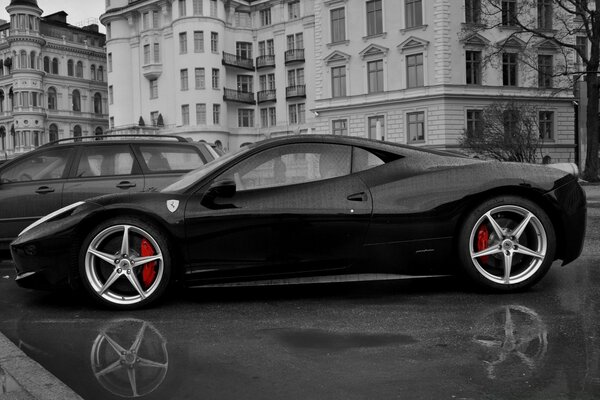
78,10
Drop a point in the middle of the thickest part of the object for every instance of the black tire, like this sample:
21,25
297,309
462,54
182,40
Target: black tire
484,255
122,280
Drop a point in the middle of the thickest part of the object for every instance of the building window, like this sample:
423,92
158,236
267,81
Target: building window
375,132
414,13
509,69
339,127
93,72
509,12
145,19
199,78
243,19
416,126
272,116
510,121
264,117
338,81
155,19
182,10
156,53
546,125
296,77
215,79
51,98
297,113
79,70
265,17
183,77
97,103
216,114
55,66
110,94
153,88
295,41
77,132
154,118
198,42
473,11
245,118
185,114
214,42
473,60
213,8
46,65
200,114
197,4
544,9
76,100
338,25
374,18
375,76
294,10
111,122
581,42
108,31
100,74
109,62
243,50
474,123
146,54
545,70
183,43
244,83
414,71
70,68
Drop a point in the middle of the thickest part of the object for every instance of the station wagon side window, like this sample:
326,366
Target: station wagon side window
105,161
291,164
43,166
166,158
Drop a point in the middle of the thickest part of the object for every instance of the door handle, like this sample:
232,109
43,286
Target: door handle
125,185
44,190
362,196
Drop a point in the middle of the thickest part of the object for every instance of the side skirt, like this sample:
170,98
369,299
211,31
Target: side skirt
320,279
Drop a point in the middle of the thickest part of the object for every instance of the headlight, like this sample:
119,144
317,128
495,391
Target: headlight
52,215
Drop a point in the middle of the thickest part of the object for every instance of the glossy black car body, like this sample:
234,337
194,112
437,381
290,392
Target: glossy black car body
60,173
395,211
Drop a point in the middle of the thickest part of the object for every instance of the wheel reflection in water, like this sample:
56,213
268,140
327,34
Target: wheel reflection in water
514,341
129,357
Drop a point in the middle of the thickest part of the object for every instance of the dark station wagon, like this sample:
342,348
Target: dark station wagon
69,170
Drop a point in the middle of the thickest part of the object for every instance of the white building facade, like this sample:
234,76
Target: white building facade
52,79
236,71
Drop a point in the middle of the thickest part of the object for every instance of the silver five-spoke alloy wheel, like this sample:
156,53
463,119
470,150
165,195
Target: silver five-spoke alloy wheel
118,276
513,250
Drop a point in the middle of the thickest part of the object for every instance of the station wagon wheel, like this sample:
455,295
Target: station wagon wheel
125,263
507,243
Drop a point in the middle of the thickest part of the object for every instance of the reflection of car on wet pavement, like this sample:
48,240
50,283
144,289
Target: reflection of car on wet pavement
341,209
63,172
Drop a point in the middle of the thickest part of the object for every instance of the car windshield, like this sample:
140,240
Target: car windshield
189,179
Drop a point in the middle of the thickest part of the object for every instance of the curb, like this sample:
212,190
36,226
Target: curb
23,378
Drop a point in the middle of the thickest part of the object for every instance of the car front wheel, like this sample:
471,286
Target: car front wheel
125,263
507,243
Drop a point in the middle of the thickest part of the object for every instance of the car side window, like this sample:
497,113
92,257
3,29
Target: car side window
105,161
43,166
291,164
363,159
165,158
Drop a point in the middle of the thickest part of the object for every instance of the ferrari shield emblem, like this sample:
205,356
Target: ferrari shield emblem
172,205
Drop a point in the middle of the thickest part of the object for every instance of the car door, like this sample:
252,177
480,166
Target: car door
163,163
103,169
30,188
297,209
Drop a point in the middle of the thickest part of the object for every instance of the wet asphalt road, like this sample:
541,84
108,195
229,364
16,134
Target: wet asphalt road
420,339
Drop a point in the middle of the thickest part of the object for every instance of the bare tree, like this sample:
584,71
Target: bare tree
506,131
539,24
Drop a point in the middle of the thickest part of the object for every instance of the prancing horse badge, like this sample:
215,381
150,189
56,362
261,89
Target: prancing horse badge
172,205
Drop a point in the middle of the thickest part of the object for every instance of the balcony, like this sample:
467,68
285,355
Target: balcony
295,91
294,56
266,95
233,60
238,96
152,71
265,61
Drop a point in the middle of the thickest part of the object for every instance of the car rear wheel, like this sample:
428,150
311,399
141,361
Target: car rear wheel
125,263
507,243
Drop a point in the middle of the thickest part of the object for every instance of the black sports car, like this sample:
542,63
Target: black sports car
312,209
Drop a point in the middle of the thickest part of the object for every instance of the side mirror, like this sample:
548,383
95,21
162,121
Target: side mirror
223,188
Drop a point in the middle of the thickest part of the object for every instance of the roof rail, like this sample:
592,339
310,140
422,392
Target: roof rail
100,137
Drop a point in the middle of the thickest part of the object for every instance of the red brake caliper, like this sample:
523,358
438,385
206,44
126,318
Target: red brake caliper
148,270
483,238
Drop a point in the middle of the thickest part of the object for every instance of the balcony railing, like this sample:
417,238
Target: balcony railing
295,91
265,61
292,56
237,61
266,95
238,96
